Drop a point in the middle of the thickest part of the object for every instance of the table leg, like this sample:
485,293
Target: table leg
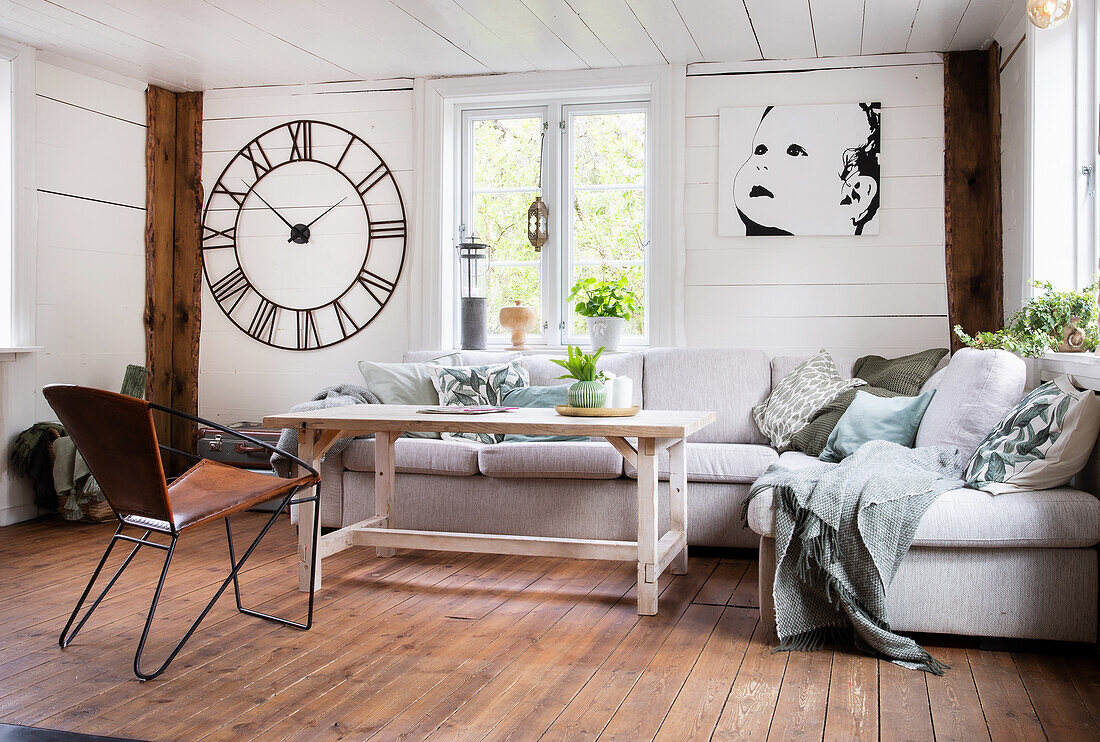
307,512
677,501
384,483
647,527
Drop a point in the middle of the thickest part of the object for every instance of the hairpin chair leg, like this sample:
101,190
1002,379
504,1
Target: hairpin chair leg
66,637
232,578
287,502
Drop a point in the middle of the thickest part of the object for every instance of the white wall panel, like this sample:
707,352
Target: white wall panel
91,229
878,293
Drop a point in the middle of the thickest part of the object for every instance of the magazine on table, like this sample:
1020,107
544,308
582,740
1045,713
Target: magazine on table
459,410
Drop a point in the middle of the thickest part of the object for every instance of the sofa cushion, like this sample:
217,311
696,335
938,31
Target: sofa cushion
570,460
545,373
456,458
1056,518
799,396
783,366
975,391
728,381
797,460
733,463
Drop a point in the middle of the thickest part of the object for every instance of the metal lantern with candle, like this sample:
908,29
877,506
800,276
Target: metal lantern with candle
473,272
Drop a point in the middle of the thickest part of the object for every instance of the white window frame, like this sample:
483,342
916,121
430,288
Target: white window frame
437,157
568,113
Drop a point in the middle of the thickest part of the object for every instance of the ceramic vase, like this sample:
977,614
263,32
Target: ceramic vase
586,394
605,332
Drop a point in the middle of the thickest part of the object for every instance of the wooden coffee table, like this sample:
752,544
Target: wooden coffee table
655,431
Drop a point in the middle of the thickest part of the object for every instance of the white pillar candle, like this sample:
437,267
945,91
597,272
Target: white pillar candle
624,392
608,389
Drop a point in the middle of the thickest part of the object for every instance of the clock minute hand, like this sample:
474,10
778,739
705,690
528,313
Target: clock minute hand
330,208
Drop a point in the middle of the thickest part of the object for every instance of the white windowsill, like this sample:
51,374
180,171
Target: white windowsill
10,354
1083,368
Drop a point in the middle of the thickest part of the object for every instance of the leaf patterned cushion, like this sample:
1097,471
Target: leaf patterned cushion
468,386
1040,444
799,396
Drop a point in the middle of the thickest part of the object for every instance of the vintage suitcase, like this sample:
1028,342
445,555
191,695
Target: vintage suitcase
213,444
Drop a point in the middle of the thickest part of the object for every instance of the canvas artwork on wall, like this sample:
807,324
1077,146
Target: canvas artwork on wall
799,170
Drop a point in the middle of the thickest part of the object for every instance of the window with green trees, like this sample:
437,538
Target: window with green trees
594,180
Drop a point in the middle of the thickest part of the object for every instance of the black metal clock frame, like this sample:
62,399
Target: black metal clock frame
230,289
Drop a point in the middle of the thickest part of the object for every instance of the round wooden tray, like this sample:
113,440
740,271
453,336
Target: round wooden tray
564,409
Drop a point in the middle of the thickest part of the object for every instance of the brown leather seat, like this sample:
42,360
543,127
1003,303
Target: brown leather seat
210,489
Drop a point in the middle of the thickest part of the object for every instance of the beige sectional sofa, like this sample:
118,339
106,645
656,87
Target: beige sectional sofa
1021,565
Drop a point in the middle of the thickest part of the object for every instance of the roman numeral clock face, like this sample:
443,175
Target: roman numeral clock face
303,236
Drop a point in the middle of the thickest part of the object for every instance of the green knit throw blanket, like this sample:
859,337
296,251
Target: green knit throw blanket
841,531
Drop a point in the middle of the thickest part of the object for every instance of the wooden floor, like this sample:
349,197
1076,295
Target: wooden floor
466,647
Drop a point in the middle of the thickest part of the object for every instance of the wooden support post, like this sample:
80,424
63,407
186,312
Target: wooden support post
677,501
173,262
972,190
647,527
384,474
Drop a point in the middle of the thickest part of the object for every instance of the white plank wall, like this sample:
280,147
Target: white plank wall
852,295
240,378
91,229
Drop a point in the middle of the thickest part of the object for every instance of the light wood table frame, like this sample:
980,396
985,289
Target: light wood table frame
654,430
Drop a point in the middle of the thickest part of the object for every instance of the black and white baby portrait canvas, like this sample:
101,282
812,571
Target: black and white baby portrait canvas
799,170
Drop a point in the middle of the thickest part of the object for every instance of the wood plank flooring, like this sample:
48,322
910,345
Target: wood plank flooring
472,647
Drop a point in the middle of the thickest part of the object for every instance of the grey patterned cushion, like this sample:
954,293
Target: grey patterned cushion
1040,444
477,385
795,399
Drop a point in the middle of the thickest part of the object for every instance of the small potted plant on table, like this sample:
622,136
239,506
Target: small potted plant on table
607,305
587,390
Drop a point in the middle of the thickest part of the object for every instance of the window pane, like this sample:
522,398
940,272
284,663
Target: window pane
506,153
609,225
609,148
508,284
500,221
635,280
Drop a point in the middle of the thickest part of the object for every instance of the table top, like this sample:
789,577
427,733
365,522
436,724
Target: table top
373,418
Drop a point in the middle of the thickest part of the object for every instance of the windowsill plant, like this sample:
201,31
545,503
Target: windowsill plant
607,305
1054,320
587,390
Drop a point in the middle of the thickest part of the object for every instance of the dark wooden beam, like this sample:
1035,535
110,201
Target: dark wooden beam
173,202
972,190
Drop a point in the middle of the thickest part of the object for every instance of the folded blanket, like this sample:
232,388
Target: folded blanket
841,531
340,395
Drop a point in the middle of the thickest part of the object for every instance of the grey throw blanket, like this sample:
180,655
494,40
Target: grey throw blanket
841,531
340,395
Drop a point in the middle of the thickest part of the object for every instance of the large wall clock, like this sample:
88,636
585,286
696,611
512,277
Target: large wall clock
303,236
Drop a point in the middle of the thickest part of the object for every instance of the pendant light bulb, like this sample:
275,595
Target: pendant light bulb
1048,13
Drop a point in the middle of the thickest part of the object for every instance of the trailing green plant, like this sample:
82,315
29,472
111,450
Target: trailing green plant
1039,324
599,298
580,365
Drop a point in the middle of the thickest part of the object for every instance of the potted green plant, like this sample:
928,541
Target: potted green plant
1053,320
607,305
587,391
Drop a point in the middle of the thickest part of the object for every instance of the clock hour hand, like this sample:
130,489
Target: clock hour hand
330,208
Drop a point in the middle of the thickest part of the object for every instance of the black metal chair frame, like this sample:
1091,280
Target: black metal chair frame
171,531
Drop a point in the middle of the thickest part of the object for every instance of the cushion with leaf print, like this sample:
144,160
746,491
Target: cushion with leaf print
1040,444
468,386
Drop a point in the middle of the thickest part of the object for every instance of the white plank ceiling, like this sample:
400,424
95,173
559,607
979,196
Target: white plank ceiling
205,44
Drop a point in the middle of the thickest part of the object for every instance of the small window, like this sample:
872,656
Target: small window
595,183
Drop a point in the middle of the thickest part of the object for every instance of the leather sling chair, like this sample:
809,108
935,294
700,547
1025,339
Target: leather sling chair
116,437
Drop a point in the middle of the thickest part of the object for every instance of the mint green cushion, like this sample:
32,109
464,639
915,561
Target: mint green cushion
405,383
871,418
538,396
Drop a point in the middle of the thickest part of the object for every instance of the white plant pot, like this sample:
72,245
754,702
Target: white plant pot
605,332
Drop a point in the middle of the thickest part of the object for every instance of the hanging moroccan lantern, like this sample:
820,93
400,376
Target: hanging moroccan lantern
538,216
